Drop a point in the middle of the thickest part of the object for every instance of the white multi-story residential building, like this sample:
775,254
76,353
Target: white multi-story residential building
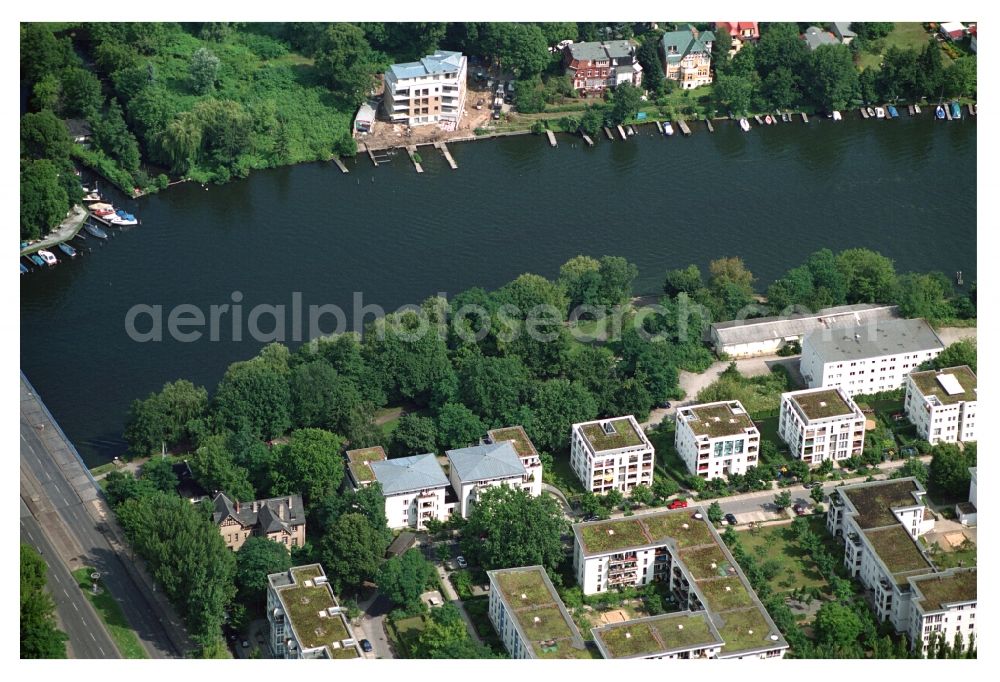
305,619
529,616
717,439
943,605
942,404
880,522
820,424
525,450
681,549
868,358
611,454
431,90
679,635
474,470
415,490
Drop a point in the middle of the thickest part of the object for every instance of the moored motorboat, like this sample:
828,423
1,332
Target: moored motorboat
102,210
24,268
786,118
37,260
92,196
956,110
891,110
122,218
871,112
916,108
67,249
744,124
939,112
95,231
836,116
48,257
879,112
768,120
668,129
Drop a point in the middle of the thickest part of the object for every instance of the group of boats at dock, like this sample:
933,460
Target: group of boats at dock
951,111
100,211
773,119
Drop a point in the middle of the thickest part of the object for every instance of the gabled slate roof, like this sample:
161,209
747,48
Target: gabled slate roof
481,462
270,516
417,472
677,44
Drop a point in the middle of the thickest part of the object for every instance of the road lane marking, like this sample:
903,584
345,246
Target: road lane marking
102,651
92,636
75,607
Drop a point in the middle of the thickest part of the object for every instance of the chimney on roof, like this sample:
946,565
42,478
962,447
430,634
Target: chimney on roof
281,512
237,506
253,507
291,507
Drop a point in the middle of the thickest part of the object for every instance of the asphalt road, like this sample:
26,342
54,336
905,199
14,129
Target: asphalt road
373,626
97,551
88,637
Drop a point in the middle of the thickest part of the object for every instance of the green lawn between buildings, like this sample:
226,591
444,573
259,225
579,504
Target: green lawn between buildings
905,35
797,568
111,613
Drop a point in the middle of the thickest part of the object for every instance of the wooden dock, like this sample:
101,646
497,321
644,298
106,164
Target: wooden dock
552,138
412,151
340,164
708,124
972,109
864,113
586,138
805,119
446,154
682,124
909,110
621,131
947,112
759,120
607,131
659,127
371,155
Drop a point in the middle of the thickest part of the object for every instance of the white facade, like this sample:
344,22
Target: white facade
412,509
867,358
954,612
943,404
431,90
717,439
611,454
821,424
530,459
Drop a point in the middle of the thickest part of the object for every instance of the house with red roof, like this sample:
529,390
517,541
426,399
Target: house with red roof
741,32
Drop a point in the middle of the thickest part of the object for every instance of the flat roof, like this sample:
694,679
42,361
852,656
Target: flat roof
306,605
517,434
897,549
940,590
822,403
358,461
633,532
780,327
716,420
546,627
657,635
873,339
875,501
930,383
626,435
746,630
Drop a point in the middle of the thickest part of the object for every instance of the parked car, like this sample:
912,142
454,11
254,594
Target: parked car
800,510
677,504
366,646
813,484
592,518
731,519
665,405
460,560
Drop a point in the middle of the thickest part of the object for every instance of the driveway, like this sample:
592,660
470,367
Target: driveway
452,596
372,626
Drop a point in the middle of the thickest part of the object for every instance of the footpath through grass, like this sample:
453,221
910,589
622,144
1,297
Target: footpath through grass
111,613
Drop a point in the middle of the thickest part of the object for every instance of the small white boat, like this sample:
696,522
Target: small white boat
768,120
836,116
92,196
47,256
668,129
122,218
745,125
879,112
916,108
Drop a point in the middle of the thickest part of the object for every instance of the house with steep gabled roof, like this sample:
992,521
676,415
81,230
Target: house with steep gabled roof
280,519
687,57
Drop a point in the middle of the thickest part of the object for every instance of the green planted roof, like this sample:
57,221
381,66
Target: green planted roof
897,549
929,384
358,461
625,435
657,635
745,630
716,420
822,404
947,588
543,621
874,502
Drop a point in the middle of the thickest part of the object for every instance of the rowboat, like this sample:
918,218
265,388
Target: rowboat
95,231
837,116
67,249
668,129
768,120
745,125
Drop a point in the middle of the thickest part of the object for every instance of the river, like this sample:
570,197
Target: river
906,188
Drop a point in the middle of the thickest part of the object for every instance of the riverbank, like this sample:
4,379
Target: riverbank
66,230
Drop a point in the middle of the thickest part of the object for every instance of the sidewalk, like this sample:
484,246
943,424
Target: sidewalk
452,596
67,230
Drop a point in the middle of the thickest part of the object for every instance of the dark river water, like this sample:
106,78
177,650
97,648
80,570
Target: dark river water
906,188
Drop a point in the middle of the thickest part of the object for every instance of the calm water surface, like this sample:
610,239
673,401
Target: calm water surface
906,188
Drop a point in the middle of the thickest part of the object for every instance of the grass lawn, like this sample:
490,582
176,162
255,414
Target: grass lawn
667,459
797,568
478,609
964,555
405,631
111,613
562,476
905,35
102,469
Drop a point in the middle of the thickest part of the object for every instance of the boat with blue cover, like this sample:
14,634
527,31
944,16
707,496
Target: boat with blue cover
67,249
95,231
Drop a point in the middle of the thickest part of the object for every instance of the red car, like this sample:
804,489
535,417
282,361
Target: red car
677,504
